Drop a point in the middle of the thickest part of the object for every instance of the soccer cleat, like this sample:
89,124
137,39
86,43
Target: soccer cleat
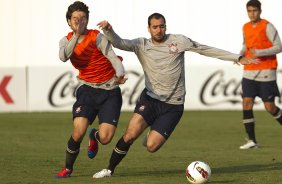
64,173
249,145
93,144
103,173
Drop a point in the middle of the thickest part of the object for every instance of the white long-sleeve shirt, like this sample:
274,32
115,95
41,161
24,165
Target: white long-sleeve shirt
163,64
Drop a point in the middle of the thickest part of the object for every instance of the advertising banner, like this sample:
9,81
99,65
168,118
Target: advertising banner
210,87
13,85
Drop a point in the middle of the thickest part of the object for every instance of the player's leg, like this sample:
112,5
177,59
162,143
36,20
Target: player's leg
274,111
164,125
80,126
249,123
73,145
269,92
83,115
135,128
154,141
249,93
109,113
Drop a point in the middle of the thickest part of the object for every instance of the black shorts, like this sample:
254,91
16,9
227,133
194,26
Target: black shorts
267,91
160,116
91,102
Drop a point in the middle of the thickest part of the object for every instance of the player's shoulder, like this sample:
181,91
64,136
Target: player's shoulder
142,40
177,37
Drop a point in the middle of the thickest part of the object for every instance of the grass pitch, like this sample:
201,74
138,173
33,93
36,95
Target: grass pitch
32,150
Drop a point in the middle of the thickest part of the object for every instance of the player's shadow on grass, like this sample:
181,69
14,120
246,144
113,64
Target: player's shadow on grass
248,168
244,168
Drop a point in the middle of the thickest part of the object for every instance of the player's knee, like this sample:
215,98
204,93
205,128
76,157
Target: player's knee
105,138
151,147
247,105
129,138
271,109
77,137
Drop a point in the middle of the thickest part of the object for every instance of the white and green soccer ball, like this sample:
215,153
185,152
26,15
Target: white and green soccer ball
198,172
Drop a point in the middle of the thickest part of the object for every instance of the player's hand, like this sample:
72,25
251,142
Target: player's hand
247,61
104,25
81,26
253,52
120,80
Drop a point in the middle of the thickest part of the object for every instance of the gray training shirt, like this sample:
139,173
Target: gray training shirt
163,64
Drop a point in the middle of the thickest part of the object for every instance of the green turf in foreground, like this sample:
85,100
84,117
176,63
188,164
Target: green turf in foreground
32,148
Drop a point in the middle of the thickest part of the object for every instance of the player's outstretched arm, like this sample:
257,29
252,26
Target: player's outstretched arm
104,25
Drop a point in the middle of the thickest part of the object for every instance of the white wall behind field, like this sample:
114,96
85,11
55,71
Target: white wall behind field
31,29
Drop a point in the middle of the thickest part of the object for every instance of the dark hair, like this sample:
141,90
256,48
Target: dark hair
77,6
254,3
155,16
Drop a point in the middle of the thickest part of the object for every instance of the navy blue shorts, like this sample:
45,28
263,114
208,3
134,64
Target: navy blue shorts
91,102
160,116
267,91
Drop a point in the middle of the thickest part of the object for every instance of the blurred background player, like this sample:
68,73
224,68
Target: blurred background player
160,105
100,73
261,40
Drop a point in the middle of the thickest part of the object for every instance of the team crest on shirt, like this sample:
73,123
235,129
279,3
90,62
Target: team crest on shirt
78,109
141,108
173,48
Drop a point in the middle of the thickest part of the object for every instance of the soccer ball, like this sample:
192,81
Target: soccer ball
198,172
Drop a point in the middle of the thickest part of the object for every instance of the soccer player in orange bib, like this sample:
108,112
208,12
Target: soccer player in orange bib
261,40
100,73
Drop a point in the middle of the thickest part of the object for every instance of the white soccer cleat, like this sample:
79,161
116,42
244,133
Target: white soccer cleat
103,173
249,145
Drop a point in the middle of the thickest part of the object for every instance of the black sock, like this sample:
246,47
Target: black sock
249,123
118,154
72,153
278,115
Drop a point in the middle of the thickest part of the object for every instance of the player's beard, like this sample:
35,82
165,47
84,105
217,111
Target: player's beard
159,39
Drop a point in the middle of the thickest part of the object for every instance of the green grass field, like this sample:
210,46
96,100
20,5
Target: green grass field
32,150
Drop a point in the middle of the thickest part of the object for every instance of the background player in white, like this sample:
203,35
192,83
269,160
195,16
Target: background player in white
160,105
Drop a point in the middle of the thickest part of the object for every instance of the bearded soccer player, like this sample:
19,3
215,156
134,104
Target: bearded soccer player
100,73
261,40
161,103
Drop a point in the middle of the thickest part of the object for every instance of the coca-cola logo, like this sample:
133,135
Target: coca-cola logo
218,89
62,92
131,92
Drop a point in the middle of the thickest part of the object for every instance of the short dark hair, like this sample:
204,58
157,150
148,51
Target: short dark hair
155,16
254,3
77,6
